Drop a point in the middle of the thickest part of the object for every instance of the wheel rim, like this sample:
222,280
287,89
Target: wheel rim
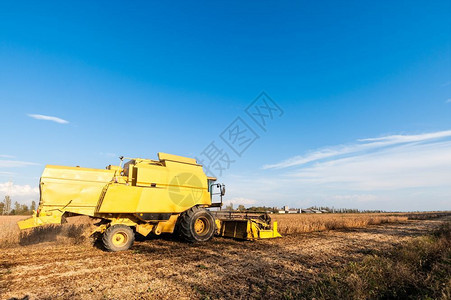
201,226
120,239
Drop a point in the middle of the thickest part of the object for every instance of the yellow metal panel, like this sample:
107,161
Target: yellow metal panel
172,173
235,228
165,156
246,229
130,199
73,189
145,228
167,226
27,223
73,196
76,173
267,234
218,226
185,175
151,174
60,192
120,198
34,221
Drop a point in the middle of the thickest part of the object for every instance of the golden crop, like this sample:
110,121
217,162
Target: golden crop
299,223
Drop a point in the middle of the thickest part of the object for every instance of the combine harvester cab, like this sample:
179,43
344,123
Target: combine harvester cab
144,196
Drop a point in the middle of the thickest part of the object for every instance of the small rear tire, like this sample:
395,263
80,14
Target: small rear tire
118,238
196,225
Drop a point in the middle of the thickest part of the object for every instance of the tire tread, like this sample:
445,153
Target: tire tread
107,237
184,224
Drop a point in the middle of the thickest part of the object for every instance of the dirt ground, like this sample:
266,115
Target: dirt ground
165,268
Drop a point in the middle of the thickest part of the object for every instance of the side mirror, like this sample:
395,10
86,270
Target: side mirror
223,190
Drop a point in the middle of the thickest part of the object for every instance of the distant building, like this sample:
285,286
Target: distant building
286,210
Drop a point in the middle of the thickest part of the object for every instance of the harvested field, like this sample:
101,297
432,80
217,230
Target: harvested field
67,268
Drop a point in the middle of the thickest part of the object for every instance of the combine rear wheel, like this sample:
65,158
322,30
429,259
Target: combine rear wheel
196,225
118,238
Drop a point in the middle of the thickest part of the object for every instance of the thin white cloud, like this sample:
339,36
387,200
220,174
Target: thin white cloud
2,173
396,172
401,167
48,118
240,201
6,156
6,163
108,154
18,190
355,197
397,139
362,146
448,101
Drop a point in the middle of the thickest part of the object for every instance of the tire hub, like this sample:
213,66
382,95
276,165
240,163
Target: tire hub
120,239
201,226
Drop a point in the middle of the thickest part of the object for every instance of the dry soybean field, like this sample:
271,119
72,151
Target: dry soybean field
355,256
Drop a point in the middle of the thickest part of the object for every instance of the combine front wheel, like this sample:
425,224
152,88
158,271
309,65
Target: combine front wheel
196,225
118,238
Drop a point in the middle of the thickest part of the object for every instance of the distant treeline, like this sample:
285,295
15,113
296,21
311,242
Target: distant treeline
241,208
18,209
345,210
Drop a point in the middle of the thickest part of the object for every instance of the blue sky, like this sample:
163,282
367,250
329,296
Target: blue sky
137,79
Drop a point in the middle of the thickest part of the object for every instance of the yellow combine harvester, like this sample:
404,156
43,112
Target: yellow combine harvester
144,196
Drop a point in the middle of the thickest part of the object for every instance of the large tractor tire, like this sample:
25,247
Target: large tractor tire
118,238
196,225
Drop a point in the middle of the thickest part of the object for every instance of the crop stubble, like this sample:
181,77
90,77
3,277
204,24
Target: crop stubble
65,267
